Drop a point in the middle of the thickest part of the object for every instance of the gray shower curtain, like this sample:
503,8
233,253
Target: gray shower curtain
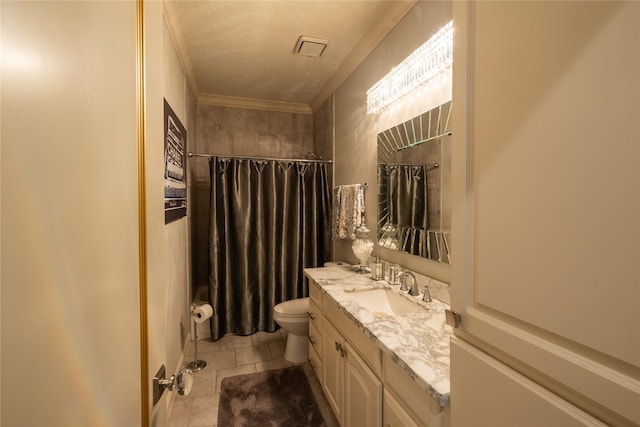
268,221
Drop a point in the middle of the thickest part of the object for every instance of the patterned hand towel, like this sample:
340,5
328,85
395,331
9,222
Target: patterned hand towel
348,207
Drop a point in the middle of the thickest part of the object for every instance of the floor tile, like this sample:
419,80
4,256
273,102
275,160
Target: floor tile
227,342
204,411
266,338
272,364
255,354
230,372
204,383
219,359
276,350
180,412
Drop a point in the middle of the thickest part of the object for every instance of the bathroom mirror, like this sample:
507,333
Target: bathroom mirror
414,176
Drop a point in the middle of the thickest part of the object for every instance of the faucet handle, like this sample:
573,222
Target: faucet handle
403,283
426,296
394,272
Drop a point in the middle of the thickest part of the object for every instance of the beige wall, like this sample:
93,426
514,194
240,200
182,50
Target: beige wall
175,233
70,326
355,131
169,292
70,306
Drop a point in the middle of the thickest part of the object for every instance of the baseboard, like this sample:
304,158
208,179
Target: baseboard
185,349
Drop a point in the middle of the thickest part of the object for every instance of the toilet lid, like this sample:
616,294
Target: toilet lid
293,307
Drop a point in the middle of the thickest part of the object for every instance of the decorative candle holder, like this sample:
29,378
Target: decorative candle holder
362,247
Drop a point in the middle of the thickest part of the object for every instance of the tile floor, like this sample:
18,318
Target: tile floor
229,356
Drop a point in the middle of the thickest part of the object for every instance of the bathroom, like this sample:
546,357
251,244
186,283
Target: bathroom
275,134
77,257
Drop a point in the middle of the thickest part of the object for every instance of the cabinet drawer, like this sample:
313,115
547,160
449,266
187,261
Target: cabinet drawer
315,361
315,293
394,413
315,316
417,402
366,348
315,339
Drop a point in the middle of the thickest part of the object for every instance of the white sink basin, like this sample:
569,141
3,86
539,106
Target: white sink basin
384,302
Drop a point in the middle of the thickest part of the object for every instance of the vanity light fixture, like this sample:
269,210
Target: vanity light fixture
426,62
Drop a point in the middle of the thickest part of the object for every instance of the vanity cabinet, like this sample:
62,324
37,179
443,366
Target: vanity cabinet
315,330
351,387
363,392
363,386
394,413
350,382
333,369
405,402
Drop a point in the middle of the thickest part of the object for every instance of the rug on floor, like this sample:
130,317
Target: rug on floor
280,397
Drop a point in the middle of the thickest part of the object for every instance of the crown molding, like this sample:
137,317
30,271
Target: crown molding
253,104
173,19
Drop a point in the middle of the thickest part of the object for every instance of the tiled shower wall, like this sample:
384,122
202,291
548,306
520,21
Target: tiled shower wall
323,130
240,132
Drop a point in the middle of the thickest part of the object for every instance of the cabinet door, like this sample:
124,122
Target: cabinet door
521,402
363,393
547,215
333,368
394,413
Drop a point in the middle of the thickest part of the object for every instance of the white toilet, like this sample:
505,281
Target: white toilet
292,316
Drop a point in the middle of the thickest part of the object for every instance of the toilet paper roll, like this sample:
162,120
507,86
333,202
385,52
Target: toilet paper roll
336,264
202,313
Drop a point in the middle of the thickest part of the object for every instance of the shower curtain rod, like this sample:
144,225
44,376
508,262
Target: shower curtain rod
431,165
259,158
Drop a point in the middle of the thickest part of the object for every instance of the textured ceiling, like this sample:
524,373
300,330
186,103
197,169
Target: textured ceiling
244,49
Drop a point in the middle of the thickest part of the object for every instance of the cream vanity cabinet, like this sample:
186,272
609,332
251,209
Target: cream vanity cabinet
350,381
352,389
405,403
315,330
363,387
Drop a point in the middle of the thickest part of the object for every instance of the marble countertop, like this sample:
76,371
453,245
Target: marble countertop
417,342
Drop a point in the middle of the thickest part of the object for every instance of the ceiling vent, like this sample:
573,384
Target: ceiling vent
310,46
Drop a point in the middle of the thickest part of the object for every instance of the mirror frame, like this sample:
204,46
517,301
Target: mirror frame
427,239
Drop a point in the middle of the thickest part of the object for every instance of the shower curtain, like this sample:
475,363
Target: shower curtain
269,219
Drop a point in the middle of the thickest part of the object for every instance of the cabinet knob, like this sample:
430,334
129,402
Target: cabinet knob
311,316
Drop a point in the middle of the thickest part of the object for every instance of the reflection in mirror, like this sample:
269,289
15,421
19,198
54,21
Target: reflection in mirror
413,181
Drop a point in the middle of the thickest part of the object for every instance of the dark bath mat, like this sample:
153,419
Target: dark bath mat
281,397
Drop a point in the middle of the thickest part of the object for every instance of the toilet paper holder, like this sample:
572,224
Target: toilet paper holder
197,364
183,382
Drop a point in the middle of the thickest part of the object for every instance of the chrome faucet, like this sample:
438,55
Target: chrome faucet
413,290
